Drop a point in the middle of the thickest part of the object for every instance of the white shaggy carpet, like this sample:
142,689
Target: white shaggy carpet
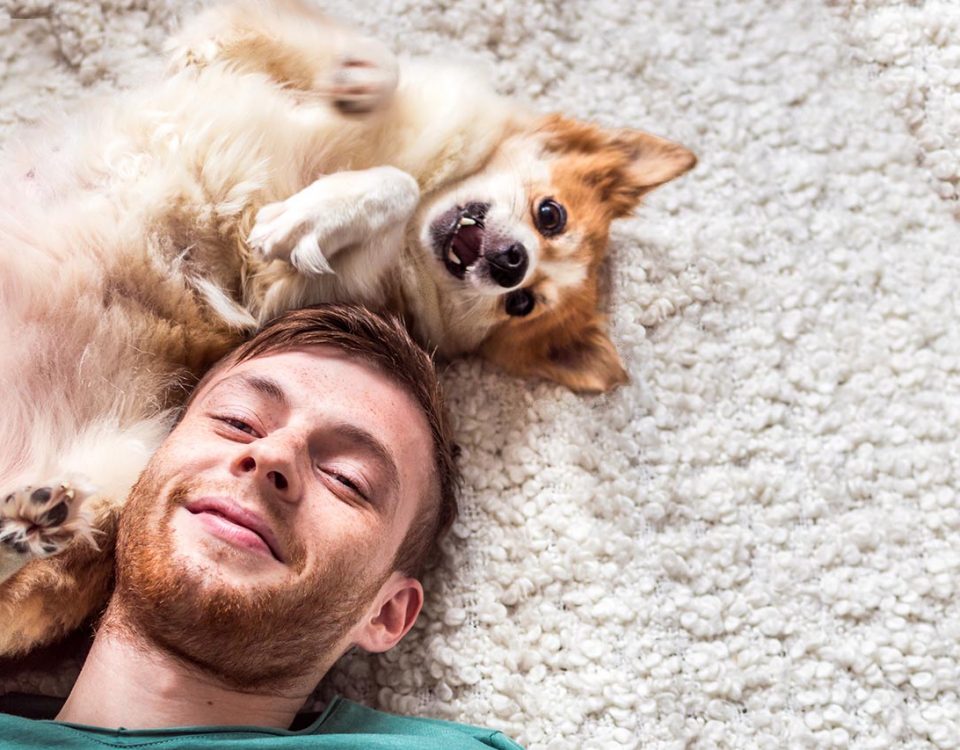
757,542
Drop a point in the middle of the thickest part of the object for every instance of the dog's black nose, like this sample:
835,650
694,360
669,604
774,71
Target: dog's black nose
507,267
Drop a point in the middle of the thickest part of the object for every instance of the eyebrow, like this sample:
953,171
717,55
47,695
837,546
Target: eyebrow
266,387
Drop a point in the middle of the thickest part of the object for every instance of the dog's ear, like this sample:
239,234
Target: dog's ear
648,161
622,164
590,364
586,362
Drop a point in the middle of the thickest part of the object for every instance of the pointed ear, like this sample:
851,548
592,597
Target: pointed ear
648,162
586,363
393,613
624,164
590,364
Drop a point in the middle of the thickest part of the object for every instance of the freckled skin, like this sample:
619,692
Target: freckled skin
320,390
186,586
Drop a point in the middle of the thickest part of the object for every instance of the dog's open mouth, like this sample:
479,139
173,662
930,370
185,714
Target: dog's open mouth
458,237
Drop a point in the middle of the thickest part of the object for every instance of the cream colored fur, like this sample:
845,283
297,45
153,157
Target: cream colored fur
125,267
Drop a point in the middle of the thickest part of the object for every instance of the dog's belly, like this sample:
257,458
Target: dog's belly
93,332
102,337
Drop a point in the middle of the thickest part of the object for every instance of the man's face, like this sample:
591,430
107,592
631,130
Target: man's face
266,524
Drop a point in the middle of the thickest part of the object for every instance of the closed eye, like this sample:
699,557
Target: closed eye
349,482
238,424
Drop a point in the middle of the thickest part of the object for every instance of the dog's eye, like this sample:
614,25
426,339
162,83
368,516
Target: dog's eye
520,302
551,218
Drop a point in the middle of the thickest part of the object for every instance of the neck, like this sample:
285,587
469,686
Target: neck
127,681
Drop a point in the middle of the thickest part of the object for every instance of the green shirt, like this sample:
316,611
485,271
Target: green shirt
343,726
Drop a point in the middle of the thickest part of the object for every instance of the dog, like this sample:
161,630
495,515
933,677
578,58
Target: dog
282,161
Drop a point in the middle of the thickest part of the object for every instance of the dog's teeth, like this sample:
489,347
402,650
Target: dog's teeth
452,257
466,221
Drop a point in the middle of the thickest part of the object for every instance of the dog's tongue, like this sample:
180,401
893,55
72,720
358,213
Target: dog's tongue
466,244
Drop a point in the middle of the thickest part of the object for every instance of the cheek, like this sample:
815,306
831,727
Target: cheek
560,274
190,445
332,540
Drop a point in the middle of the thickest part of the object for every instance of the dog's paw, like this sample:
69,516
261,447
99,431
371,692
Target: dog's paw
364,77
291,230
337,211
39,521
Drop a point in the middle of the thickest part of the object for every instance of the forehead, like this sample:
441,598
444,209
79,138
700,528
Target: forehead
312,373
325,379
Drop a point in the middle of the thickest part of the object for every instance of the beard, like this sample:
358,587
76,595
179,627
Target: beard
256,637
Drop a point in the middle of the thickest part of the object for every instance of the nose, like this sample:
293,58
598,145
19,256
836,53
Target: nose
270,462
508,267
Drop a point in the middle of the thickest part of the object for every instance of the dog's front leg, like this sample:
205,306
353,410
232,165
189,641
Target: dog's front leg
336,212
57,529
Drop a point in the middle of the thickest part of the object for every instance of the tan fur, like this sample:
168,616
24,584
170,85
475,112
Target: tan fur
127,271
55,595
603,175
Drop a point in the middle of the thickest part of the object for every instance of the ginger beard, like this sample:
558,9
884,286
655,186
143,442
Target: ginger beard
247,637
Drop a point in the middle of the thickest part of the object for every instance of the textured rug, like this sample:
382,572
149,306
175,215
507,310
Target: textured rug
757,542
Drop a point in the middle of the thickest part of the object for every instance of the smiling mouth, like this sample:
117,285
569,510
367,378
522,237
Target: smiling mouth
459,236
236,526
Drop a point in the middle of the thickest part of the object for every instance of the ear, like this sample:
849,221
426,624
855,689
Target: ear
393,613
623,164
648,162
587,362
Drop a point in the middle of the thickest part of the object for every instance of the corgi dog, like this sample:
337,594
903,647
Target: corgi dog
281,161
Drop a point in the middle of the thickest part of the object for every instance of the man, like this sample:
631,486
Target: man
283,521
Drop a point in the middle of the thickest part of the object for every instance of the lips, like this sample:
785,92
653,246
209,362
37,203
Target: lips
240,525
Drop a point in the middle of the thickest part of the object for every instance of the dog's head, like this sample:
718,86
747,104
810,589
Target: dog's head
517,246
